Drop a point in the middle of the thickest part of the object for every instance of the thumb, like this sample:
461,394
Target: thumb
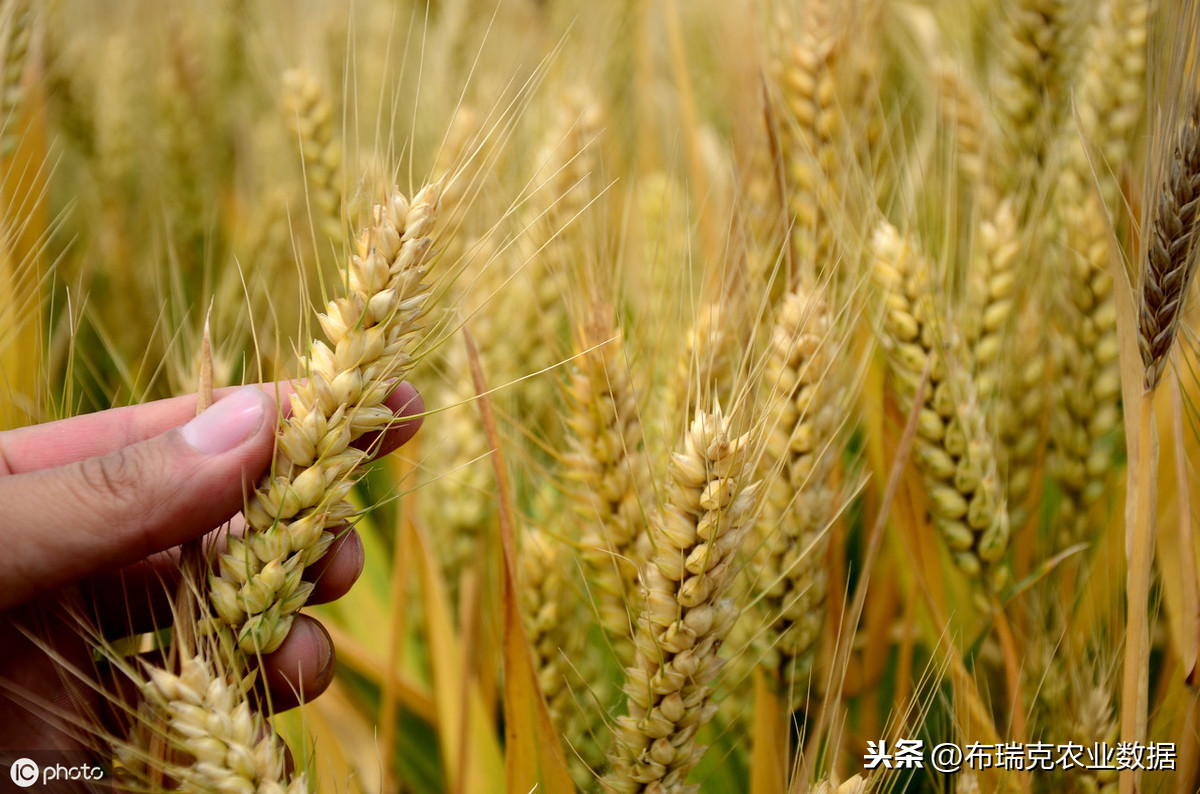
63,524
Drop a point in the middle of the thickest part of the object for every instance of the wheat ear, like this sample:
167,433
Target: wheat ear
548,252
709,508
1167,273
1037,54
814,138
963,112
224,744
553,614
462,491
1095,722
547,605
258,588
809,397
607,465
853,785
1170,259
954,450
310,118
1006,344
1112,92
1087,412
18,30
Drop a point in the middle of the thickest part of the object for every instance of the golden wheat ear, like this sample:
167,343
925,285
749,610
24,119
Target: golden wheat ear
709,507
955,451
16,32
257,588
610,478
811,392
309,117
211,736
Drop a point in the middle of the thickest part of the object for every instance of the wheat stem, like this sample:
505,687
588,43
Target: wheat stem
1136,675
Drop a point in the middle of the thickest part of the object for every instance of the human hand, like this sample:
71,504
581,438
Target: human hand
94,510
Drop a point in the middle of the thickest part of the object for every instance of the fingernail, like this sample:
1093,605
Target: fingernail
327,656
360,556
312,640
227,423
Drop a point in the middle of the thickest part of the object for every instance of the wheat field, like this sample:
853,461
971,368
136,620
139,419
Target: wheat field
811,387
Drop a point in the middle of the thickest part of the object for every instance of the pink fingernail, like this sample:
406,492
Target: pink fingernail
227,423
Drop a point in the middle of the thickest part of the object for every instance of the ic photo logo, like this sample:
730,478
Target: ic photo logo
24,772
